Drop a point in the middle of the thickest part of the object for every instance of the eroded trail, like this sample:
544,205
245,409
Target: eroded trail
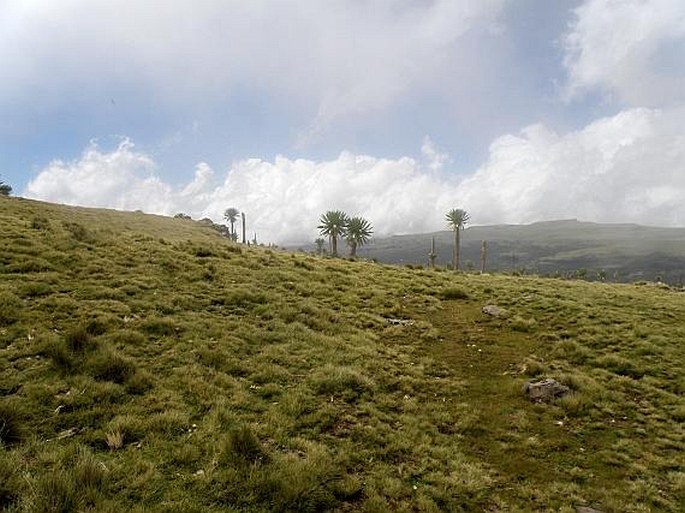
527,446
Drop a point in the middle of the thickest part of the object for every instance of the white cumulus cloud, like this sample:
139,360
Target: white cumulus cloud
283,199
625,168
122,179
632,50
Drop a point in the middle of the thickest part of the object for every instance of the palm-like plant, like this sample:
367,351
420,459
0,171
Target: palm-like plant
5,189
319,245
358,233
231,215
333,225
456,220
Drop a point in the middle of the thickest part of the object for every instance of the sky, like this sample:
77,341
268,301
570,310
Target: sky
395,110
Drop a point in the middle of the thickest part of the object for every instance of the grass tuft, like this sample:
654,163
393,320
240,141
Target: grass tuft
56,492
40,223
343,382
534,368
56,349
454,293
620,365
35,289
115,439
302,486
159,327
97,326
79,340
139,382
10,308
10,482
518,323
108,365
78,232
242,447
12,430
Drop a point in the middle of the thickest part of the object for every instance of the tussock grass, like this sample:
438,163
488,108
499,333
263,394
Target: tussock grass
11,486
12,429
79,339
10,308
342,382
454,293
55,492
108,365
59,352
242,447
151,365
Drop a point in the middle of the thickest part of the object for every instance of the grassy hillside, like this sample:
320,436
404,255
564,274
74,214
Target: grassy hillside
147,364
623,252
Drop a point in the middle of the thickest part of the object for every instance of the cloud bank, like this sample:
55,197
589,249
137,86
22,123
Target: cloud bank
625,168
332,59
360,56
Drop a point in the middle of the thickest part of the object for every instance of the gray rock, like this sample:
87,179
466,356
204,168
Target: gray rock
67,433
545,391
494,311
400,322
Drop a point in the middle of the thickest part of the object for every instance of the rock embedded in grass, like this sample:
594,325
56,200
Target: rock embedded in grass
545,391
494,311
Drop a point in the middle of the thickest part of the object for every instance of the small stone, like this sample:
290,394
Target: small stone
67,433
494,311
199,473
400,322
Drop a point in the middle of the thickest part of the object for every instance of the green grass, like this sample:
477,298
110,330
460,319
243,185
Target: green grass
147,364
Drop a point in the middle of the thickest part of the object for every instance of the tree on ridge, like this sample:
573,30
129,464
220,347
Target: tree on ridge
456,220
358,233
242,216
333,225
5,189
231,215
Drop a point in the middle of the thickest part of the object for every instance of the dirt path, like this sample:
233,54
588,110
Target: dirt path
505,431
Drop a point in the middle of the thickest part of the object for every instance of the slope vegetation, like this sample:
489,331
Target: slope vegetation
148,364
614,252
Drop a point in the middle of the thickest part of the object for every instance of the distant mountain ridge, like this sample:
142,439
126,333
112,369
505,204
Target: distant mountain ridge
615,252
